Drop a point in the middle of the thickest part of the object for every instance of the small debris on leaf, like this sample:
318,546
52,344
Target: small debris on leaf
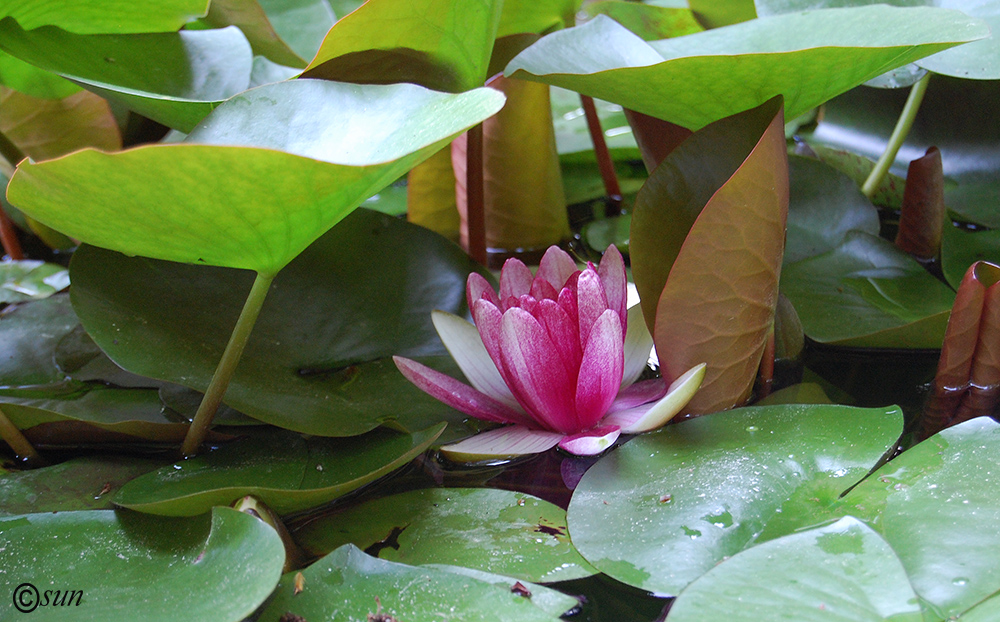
378,616
300,584
519,589
288,616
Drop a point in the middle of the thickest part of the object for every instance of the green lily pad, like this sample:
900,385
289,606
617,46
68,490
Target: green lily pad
868,293
960,249
976,60
552,602
841,571
29,336
249,206
663,509
285,31
30,280
808,57
26,78
514,534
108,16
86,483
889,193
318,360
287,472
936,505
109,560
349,585
615,230
195,70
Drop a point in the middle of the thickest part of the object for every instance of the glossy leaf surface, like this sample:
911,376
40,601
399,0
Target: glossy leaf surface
663,509
228,205
778,55
515,534
347,584
108,16
29,335
728,182
235,553
318,360
196,69
284,470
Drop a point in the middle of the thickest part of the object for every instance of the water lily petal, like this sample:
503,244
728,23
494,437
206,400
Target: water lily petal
515,280
477,287
650,417
487,318
600,370
612,273
543,290
505,442
591,302
556,267
457,394
638,394
590,442
466,347
562,330
535,372
638,345
528,303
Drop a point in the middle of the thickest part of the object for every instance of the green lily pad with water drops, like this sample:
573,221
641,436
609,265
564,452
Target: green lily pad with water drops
843,571
808,57
319,359
30,280
84,483
347,584
514,534
196,70
663,509
284,470
125,564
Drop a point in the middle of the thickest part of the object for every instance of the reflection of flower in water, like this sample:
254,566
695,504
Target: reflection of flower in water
557,355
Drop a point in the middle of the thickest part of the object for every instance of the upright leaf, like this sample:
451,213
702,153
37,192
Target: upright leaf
105,17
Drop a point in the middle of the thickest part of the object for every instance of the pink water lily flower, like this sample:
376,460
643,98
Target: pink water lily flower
555,354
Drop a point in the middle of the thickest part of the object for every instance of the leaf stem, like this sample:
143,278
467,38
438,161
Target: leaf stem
227,365
17,441
475,195
604,162
899,134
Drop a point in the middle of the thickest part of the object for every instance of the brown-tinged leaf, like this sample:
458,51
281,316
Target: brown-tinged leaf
48,128
525,206
706,245
430,195
656,138
921,219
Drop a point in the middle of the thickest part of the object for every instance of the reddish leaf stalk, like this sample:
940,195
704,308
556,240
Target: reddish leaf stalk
604,161
765,375
8,237
475,195
967,383
922,216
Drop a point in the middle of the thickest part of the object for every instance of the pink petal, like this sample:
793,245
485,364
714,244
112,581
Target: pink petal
535,372
543,290
567,300
638,345
528,303
652,416
562,331
466,347
456,394
505,442
591,302
477,287
638,394
487,319
612,273
556,267
590,442
600,377
515,279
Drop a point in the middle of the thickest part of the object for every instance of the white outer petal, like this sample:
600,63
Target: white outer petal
652,416
466,347
638,345
506,442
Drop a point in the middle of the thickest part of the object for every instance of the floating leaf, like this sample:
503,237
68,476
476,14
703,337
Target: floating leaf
104,560
30,280
960,249
663,509
107,16
29,335
727,182
808,57
318,360
287,472
347,584
844,570
249,207
85,483
195,69
515,534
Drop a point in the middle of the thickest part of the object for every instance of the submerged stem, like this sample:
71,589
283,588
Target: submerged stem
227,365
15,438
899,134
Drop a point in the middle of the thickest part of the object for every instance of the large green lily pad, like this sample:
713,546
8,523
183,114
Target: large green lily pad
111,558
349,585
665,508
808,57
318,360
29,336
195,70
284,470
249,206
498,531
